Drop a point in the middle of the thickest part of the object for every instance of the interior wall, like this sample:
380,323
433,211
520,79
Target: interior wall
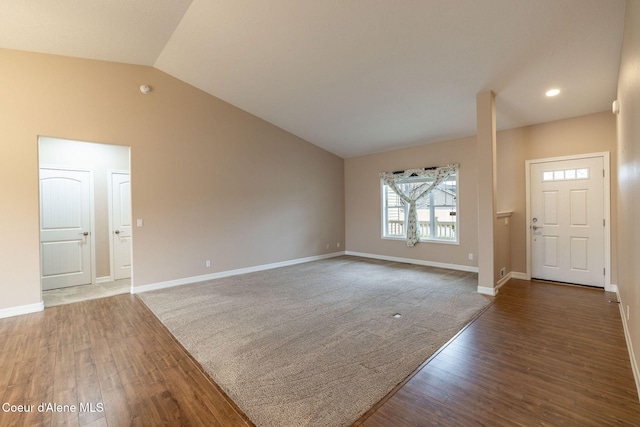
363,214
579,135
99,158
502,227
628,148
209,180
586,134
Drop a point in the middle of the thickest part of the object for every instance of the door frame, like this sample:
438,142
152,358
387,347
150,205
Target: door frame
112,264
92,246
606,207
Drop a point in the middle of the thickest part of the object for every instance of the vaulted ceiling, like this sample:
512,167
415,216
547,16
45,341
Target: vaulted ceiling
352,76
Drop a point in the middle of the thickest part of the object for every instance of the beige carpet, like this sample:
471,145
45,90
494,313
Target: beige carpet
317,344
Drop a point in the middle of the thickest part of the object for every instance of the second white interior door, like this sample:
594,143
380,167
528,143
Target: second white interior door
121,224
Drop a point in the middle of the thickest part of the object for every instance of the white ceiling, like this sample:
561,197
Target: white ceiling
358,76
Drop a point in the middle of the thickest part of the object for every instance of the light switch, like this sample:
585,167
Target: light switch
139,222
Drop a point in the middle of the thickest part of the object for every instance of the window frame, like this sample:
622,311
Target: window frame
384,216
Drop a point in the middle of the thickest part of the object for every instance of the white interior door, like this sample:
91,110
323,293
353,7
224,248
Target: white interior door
567,221
65,228
121,221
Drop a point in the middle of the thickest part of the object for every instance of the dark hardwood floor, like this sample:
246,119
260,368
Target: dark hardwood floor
542,354
111,353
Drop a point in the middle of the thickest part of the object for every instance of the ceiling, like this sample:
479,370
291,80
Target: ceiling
358,76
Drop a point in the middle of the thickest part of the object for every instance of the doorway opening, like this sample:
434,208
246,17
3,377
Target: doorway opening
568,219
85,220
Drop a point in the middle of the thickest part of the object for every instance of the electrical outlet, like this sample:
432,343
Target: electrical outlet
338,245
503,271
328,246
470,256
207,263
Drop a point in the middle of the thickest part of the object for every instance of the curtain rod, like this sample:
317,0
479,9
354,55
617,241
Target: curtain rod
426,169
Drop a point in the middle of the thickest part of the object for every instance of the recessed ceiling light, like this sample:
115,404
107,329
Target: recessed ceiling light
552,92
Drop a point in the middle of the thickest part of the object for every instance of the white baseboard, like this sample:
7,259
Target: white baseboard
494,291
611,288
487,291
520,276
105,279
22,309
627,336
504,280
468,268
228,273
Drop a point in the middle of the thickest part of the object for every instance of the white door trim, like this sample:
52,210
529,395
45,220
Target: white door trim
91,213
606,204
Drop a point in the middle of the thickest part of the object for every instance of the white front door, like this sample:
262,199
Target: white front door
121,222
65,228
567,221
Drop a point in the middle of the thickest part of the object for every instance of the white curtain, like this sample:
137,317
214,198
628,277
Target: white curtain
415,193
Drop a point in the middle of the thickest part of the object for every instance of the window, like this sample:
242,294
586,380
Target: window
566,174
437,212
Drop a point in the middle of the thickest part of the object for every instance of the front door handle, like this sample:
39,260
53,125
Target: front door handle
535,227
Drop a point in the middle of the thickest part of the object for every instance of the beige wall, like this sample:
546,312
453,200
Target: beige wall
100,159
363,202
579,135
486,185
209,180
629,177
502,227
